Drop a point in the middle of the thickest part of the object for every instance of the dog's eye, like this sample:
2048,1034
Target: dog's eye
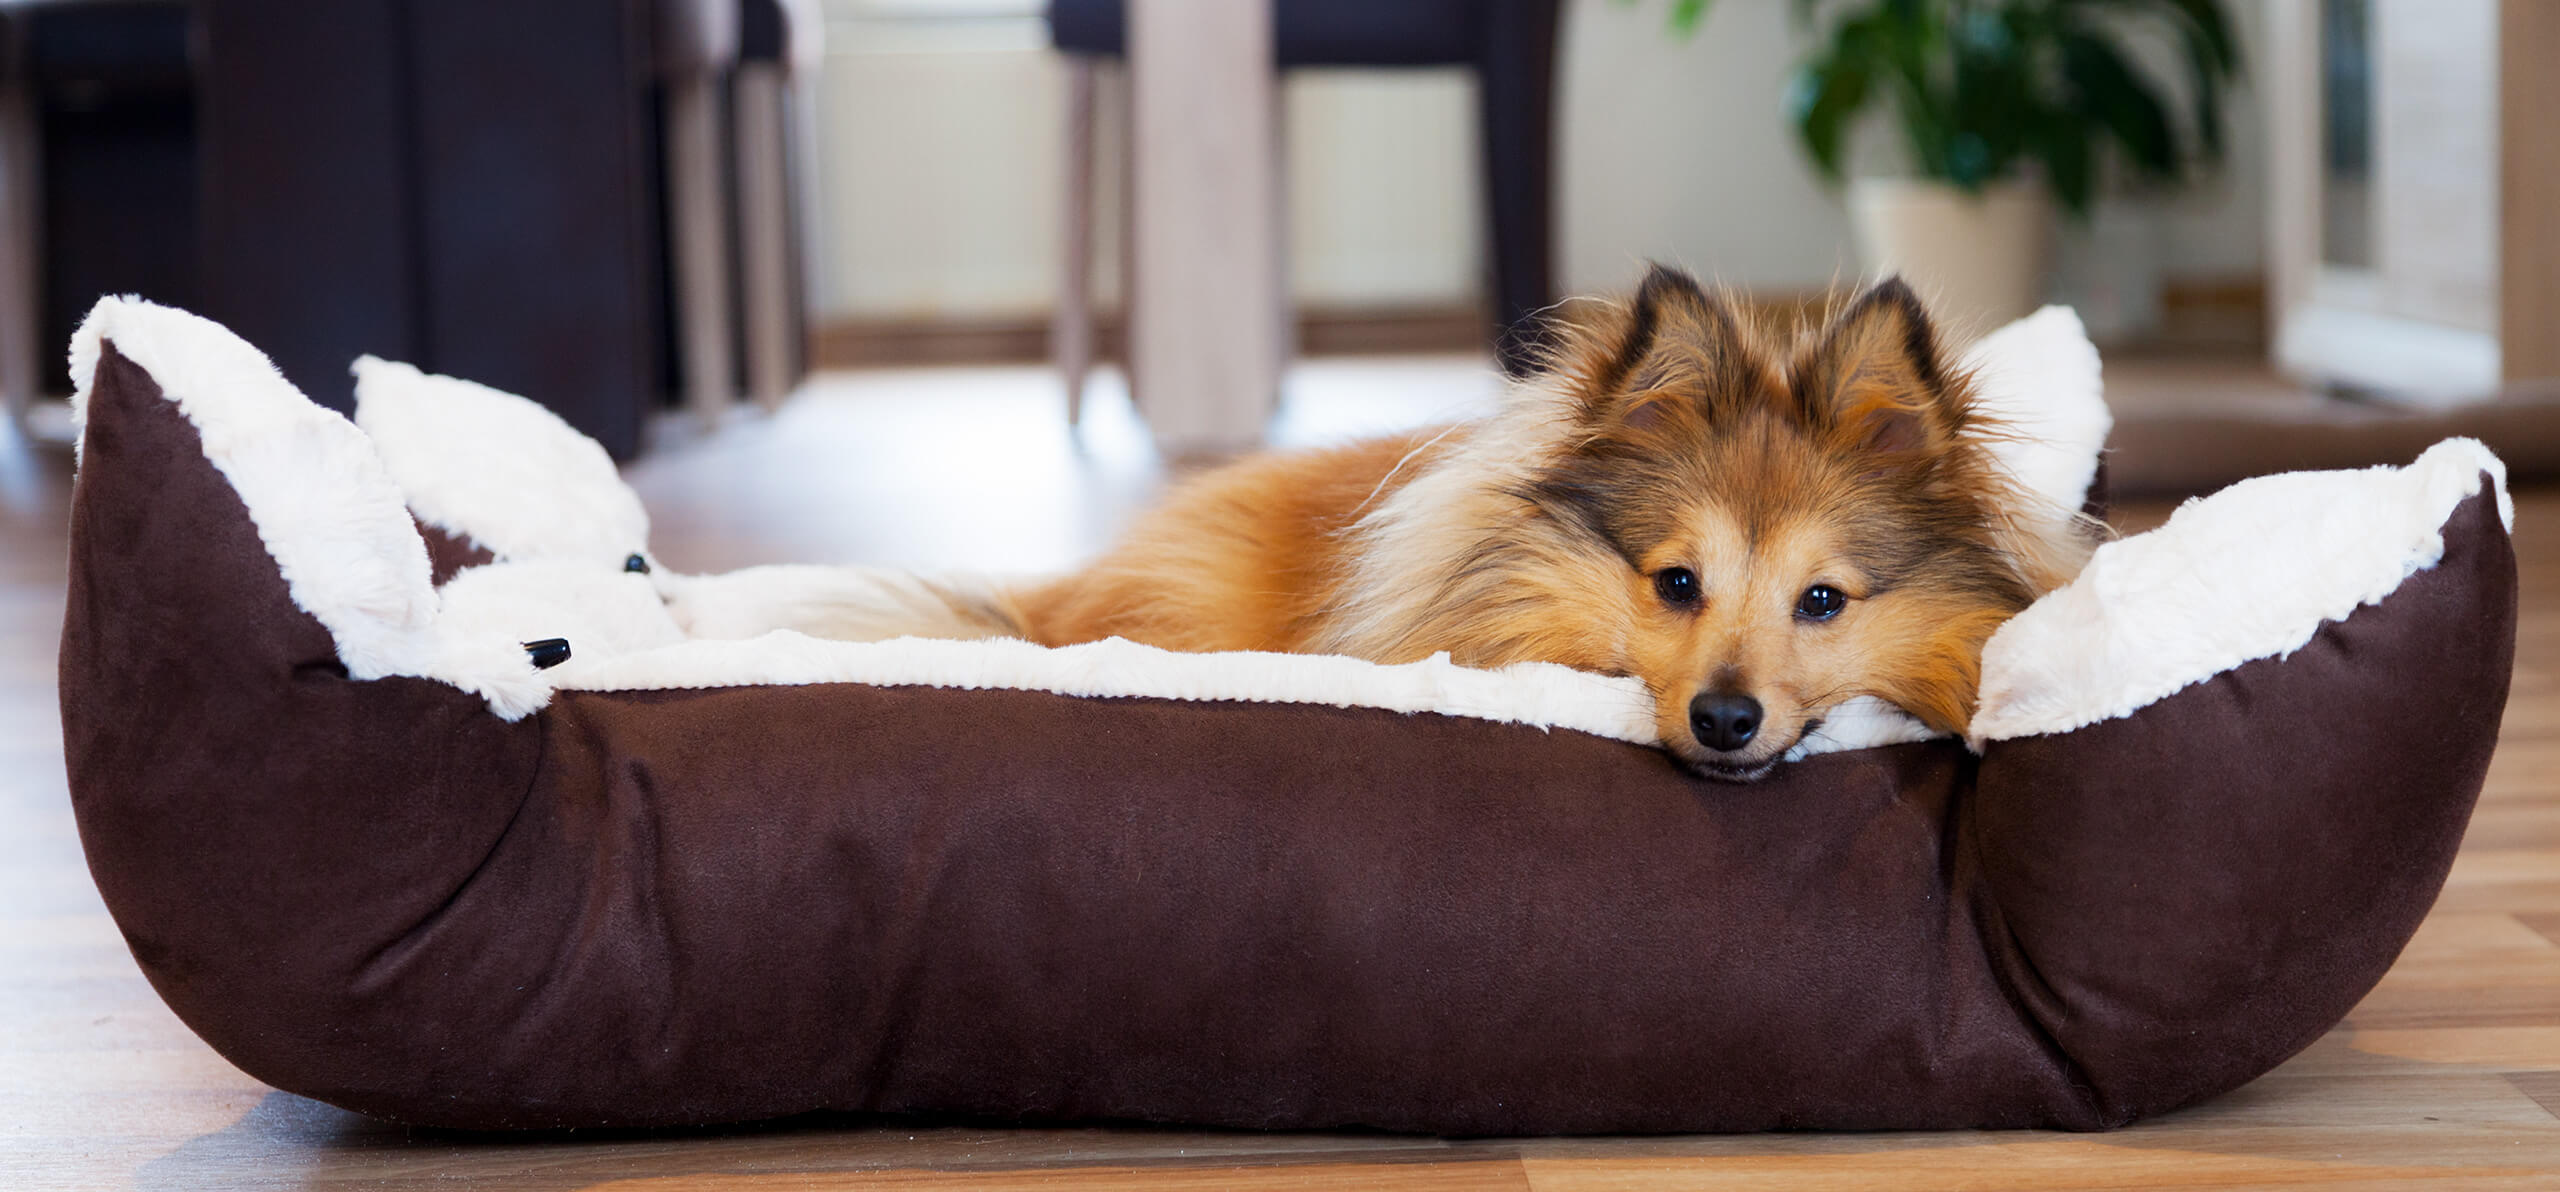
1821,602
636,564
1678,586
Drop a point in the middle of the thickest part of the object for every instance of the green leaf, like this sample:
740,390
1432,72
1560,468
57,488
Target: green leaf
1685,15
2112,94
1911,46
1824,96
1926,130
2214,51
2208,100
2062,144
1991,97
2205,20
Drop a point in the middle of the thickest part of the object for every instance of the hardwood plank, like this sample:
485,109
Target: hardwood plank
1350,1177
2475,1001
2457,933
323,1147
2089,1167
2545,925
2518,818
2543,1087
1991,1166
2534,1047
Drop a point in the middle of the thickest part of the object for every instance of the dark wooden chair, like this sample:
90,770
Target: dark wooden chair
1510,44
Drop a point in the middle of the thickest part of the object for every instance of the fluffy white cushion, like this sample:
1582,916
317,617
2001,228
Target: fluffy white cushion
2249,572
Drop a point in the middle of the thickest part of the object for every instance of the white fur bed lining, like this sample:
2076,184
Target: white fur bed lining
329,513
1536,694
430,429
2250,572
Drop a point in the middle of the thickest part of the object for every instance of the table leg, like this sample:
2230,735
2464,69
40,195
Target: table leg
1204,306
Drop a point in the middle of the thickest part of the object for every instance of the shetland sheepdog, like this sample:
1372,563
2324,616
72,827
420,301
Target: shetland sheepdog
1758,526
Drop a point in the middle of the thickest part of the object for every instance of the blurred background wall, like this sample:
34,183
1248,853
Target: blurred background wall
941,128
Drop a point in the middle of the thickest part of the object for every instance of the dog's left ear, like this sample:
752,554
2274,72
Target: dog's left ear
1874,377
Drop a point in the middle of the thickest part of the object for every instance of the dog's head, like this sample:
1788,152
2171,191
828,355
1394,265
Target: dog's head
1800,522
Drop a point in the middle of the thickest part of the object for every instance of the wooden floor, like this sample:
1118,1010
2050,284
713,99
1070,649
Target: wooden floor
2448,1076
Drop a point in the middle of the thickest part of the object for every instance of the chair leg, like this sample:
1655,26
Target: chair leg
1284,306
21,244
1071,324
699,224
1516,89
1204,353
764,231
1124,215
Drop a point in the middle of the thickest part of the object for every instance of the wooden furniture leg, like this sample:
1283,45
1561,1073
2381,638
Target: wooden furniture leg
1071,324
1204,343
699,225
21,247
761,96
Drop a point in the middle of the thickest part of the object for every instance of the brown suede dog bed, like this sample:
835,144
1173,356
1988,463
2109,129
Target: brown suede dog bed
362,881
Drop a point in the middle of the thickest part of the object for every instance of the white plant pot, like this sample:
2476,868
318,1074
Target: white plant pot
1978,260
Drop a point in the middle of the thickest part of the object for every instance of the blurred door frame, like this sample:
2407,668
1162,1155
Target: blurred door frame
2414,197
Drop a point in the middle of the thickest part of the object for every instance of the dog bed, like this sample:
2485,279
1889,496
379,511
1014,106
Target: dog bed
376,853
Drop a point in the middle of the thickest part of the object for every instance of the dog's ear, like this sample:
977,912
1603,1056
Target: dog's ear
1626,349
1668,306
1874,377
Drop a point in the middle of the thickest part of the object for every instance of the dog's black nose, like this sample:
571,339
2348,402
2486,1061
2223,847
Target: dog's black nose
1724,719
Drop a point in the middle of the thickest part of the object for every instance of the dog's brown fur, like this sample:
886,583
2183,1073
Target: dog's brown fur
1667,434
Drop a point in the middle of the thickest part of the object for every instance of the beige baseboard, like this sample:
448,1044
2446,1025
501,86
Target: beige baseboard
2200,312
2196,312
1323,331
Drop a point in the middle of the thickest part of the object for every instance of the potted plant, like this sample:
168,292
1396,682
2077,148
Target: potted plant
2002,107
